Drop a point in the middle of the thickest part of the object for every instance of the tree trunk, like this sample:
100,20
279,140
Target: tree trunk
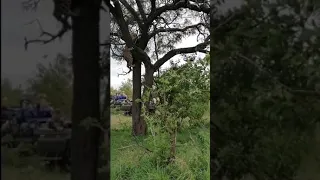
139,126
148,78
86,83
148,83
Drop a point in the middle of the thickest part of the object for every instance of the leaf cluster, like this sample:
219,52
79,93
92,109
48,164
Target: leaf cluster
184,90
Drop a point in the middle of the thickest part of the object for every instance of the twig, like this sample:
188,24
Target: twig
125,73
51,36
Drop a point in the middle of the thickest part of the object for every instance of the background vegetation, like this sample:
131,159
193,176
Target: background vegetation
136,157
265,94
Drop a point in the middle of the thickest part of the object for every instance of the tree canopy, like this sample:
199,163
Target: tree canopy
159,26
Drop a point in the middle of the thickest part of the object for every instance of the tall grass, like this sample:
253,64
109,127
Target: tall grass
129,157
131,160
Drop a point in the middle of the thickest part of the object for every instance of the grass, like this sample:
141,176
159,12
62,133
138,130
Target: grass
130,157
119,121
131,160
30,173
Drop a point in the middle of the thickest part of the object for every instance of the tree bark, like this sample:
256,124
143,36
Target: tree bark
86,83
139,126
148,78
148,83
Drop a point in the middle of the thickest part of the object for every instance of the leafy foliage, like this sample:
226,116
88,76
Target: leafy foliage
265,96
55,81
126,88
184,91
182,101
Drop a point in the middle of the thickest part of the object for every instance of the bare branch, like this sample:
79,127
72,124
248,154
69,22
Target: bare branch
134,13
51,37
125,73
117,13
198,48
175,29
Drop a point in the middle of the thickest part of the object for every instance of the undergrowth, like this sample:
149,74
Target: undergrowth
131,158
140,158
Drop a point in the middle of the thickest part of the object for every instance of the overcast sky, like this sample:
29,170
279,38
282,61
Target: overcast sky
18,65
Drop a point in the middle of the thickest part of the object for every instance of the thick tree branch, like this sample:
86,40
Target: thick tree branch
153,5
140,7
145,57
198,48
118,15
134,14
51,36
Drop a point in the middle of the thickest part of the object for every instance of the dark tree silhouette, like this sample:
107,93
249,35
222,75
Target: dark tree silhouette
86,91
86,85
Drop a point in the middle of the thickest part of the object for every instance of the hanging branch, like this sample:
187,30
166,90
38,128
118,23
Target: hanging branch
125,73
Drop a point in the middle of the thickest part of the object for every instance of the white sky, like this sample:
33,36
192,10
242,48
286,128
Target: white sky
117,67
